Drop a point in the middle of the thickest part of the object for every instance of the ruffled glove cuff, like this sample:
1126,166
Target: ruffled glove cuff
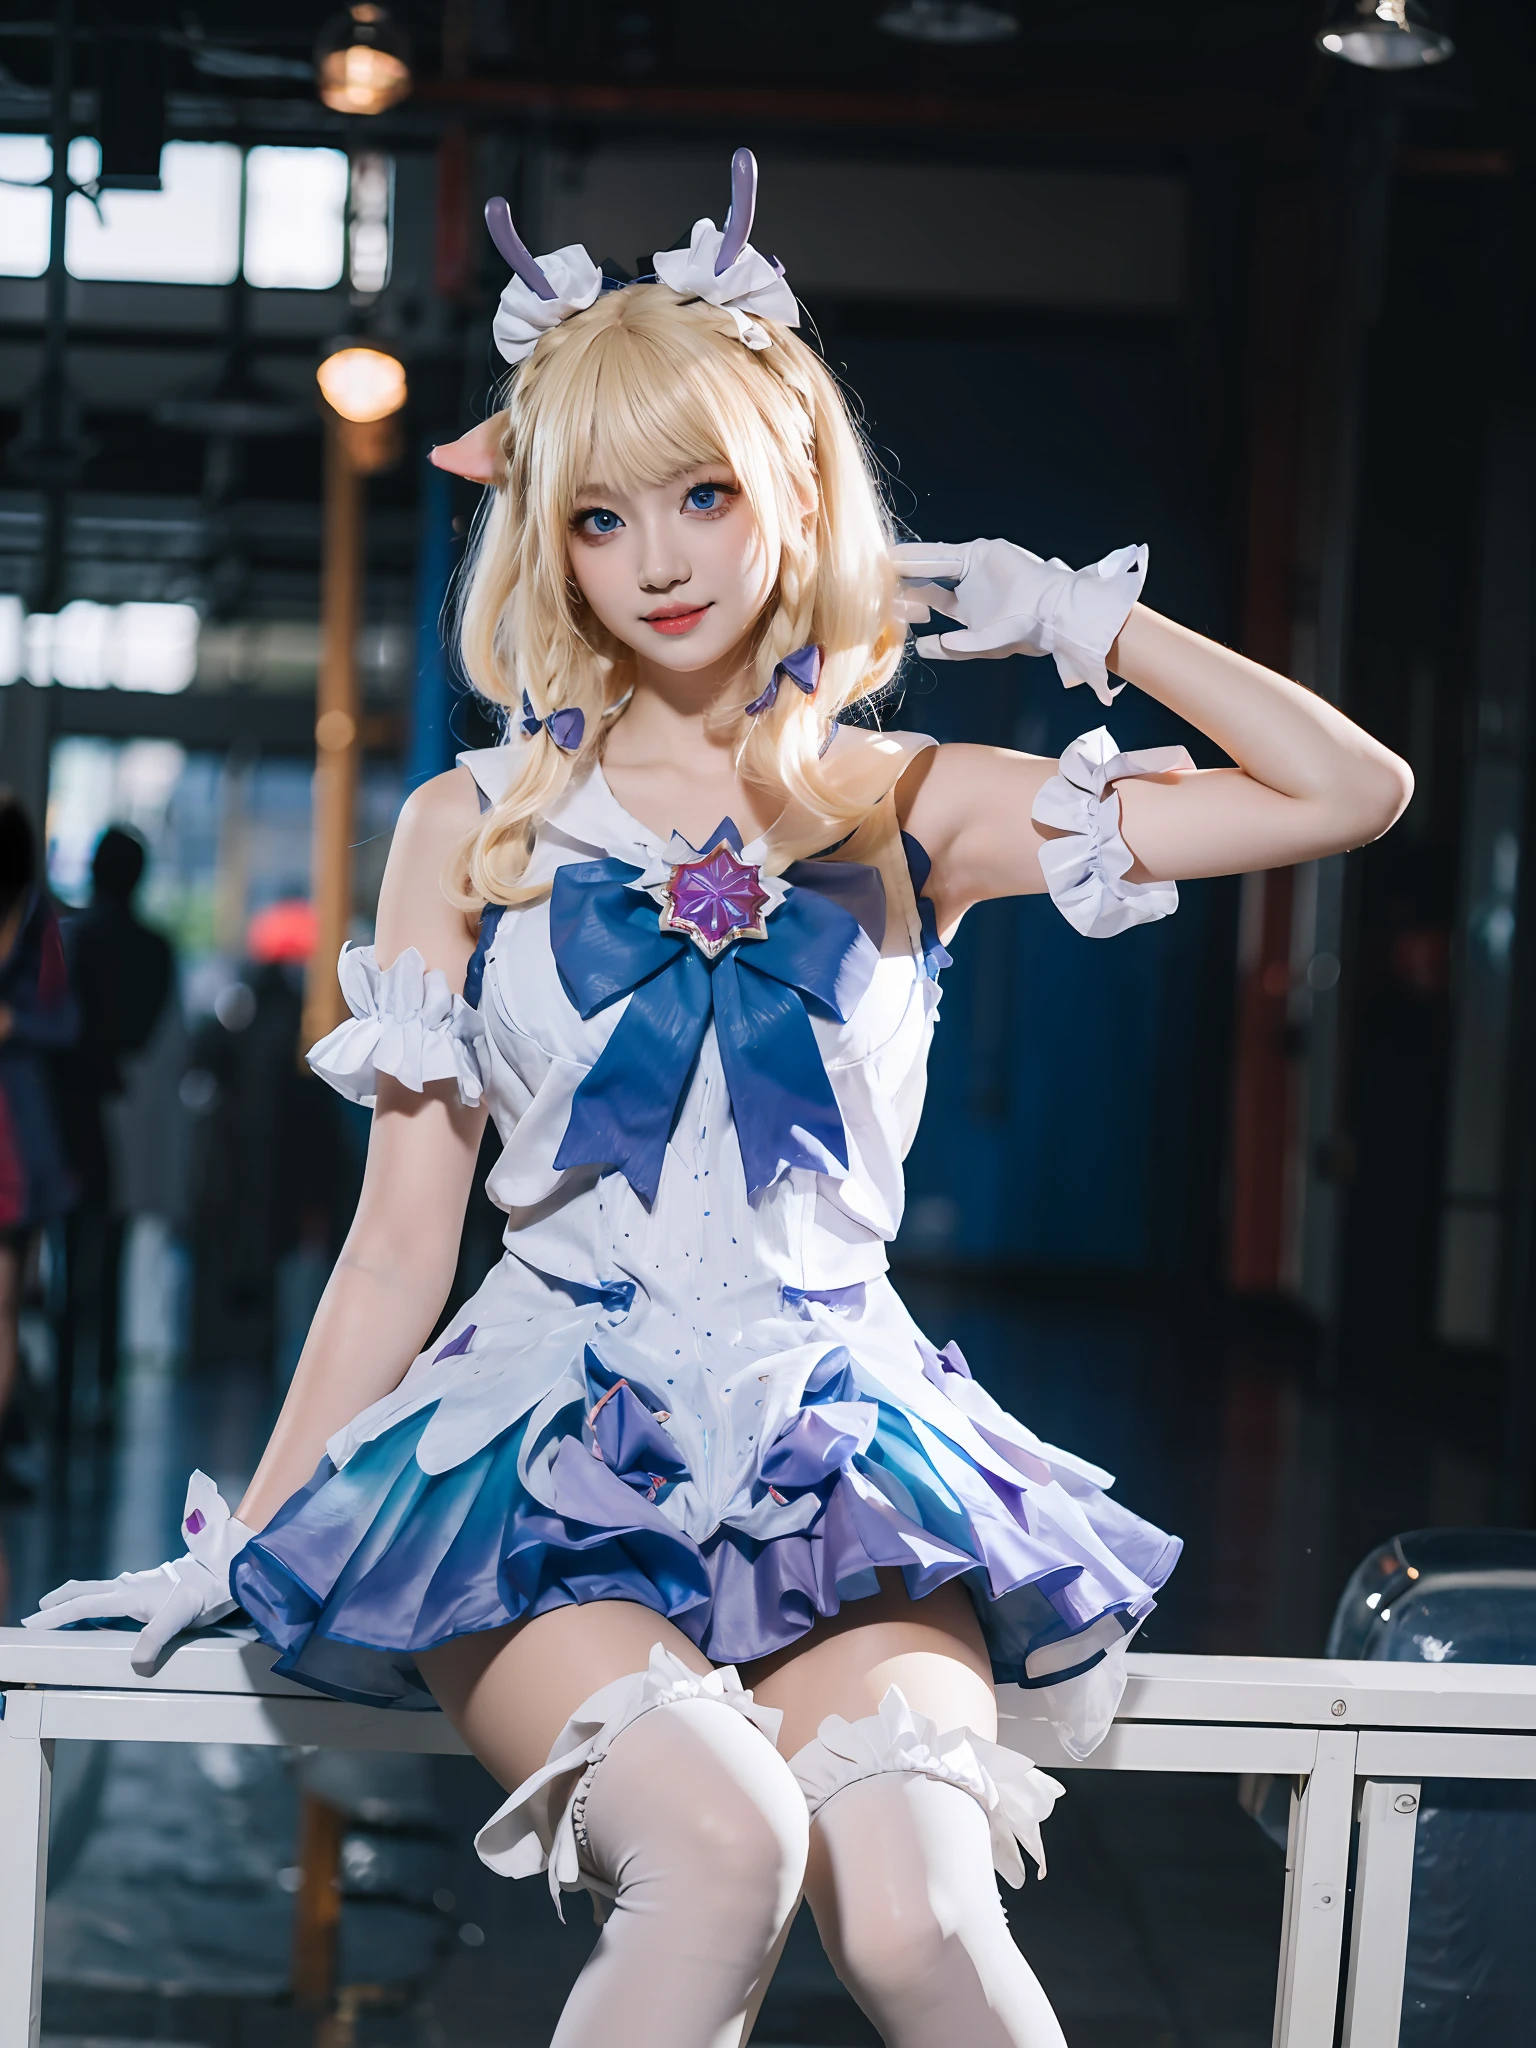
1085,871
1008,601
214,1537
189,1592
526,1835
1014,1795
404,1022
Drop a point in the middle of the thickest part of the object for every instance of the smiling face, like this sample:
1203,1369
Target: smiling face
676,571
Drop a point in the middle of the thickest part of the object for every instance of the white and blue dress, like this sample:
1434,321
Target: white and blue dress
689,1382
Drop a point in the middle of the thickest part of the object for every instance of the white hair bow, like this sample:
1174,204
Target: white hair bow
737,279
570,278
719,266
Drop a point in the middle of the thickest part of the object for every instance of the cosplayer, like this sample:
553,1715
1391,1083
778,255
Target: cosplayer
709,1553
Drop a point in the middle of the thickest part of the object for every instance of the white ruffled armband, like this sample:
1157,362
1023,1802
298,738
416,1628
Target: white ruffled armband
1085,871
1015,1796
405,1022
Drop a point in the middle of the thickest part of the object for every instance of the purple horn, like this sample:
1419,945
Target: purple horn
498,218
738,222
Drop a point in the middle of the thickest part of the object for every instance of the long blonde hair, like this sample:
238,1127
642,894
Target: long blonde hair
651,385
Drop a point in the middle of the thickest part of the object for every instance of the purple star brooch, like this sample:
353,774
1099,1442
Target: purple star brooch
715,899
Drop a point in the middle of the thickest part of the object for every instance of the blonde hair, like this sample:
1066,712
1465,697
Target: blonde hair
650,385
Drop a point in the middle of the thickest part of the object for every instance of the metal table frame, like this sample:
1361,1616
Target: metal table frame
1356,1740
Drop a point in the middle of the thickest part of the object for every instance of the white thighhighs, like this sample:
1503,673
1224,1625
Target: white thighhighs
908,1826
663,1798
690,1825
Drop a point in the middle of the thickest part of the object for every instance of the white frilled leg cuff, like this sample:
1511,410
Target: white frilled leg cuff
1014,1795
1086,870
528,1834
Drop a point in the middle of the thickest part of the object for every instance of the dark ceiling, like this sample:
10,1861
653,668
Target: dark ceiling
689,58
1215,89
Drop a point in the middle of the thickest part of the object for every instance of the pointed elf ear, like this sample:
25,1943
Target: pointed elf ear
477,454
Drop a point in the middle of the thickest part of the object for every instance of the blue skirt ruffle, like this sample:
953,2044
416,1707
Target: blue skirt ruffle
371,1563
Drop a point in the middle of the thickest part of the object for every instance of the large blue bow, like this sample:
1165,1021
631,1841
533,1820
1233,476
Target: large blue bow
818,955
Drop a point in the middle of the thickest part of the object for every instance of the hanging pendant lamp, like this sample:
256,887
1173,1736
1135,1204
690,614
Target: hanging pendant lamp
362,61
1386,35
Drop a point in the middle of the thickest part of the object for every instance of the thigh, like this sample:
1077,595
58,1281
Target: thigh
931,1648
509,1691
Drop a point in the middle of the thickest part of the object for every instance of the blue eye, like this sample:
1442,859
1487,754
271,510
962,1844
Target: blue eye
601,520
705,497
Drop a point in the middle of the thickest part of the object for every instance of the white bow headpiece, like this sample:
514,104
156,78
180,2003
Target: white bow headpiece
719,266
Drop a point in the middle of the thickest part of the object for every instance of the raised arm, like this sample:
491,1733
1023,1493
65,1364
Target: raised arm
1308,781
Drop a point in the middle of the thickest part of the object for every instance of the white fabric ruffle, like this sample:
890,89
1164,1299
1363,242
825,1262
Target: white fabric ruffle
1082,1709
1015,1796
212,1534
1006,600
405,1022
523,317
1087,614
751,285
1085,872
526,1835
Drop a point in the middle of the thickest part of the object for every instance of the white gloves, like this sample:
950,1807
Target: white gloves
190,1592
1010,602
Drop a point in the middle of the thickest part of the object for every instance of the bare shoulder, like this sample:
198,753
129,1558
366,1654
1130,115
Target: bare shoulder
865,764
415,909
442,809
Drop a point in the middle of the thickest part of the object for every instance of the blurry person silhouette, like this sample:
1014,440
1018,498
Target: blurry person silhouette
120,973
37,1016
274,1177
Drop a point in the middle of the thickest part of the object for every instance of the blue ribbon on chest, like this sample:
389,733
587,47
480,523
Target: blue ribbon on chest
822,947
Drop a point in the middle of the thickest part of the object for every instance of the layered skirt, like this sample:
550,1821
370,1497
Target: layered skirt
744,1474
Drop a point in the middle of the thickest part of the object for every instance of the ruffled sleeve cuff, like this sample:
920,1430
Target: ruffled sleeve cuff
1086,870
1090,610
405,1022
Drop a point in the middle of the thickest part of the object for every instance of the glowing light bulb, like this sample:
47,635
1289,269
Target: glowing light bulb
362,61
362,383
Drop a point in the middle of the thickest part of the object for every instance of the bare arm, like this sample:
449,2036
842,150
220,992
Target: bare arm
397,1264
1308,781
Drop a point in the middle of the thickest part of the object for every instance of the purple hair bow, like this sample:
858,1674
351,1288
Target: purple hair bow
803,668
565,727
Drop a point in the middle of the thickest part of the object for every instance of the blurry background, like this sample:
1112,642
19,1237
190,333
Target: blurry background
1240,1205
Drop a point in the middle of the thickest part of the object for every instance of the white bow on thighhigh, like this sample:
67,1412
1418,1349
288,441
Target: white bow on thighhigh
523,316
749,286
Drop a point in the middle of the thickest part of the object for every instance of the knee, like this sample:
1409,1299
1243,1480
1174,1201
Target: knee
705,1806
888,1943
902,1887
746,1841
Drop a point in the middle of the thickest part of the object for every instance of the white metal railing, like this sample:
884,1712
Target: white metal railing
1356,1739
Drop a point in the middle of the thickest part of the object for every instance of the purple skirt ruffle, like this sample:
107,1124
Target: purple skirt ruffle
369,1564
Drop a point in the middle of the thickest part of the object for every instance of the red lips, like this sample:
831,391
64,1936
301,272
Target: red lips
675,619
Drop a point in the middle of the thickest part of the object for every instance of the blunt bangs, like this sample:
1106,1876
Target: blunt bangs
659,396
